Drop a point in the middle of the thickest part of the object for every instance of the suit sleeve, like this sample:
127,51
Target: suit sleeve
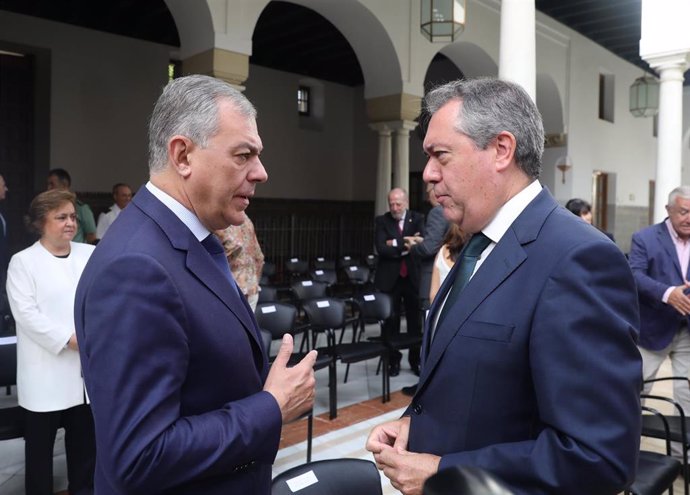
143,357
434,231
640,258
381,235
586,374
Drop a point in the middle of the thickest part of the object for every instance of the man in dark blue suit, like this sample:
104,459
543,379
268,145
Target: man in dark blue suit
659,261
181,392
531,369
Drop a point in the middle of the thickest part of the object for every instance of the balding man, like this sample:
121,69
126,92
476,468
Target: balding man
396,273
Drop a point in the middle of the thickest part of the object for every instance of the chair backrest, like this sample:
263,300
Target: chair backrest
321,263
371,260
8,361
327,275
357,274
325,313
374,306
346,261
277,318
309,289
330,477
295,266
269,269
267,293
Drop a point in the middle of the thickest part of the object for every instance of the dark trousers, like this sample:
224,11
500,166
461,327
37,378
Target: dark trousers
80,447
404,290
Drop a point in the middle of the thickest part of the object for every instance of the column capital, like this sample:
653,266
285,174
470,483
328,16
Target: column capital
403,125
401,106
670,60
381,127
232,67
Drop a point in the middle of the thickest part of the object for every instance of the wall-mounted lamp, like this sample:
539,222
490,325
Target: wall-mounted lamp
564,163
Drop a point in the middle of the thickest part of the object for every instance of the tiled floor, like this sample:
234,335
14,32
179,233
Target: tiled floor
360,409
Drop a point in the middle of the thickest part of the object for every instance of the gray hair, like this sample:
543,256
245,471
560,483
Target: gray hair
678,192
188,107
489,107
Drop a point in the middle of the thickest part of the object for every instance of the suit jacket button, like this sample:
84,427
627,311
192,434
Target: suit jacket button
417,409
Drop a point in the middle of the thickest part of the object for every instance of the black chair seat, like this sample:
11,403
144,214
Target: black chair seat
655,473
653,426
358,351
11,423
323,359
334,477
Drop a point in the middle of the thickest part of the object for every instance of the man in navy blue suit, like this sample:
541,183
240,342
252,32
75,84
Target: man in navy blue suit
531,369
659,261
180,387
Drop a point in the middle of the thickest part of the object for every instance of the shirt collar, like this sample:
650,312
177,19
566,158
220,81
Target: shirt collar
507,214
674,235
186,217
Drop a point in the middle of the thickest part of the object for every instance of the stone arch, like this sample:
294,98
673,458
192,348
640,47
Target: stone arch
369,40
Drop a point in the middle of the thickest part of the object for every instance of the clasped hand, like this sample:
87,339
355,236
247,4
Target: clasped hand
679,300
406,470
293,387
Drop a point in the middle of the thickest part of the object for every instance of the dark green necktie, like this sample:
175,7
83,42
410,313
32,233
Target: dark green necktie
468,260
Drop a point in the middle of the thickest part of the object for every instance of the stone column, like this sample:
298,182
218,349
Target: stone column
517,56
383,168
670,128
401,156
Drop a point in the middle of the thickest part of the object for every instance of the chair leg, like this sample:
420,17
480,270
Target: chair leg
347,372
332,391
386,380
310,434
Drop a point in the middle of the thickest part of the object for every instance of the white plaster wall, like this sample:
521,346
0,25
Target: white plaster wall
103,89
312,163
626,146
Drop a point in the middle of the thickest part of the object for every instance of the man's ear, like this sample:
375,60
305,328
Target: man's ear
505,149
179,150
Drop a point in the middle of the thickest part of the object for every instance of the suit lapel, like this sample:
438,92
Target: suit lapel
667,243
503,260
198,261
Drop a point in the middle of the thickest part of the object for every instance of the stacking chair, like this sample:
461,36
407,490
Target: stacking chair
275,320
371,260
327,275
267,273
358,278
656,472
330,477
327,315
267,293
346,261
321,263
678,426
305,290
11,418
464,480
297,269
377,307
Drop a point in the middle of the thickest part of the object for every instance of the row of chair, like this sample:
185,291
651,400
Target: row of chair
297,268
324,316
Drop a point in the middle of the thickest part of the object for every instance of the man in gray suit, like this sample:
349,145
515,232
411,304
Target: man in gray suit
423,251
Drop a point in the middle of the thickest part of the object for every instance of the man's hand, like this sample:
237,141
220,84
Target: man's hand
388,435
293,388
406,470
679,300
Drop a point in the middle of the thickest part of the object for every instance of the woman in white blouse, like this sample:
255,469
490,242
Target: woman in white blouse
41,285
445,258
